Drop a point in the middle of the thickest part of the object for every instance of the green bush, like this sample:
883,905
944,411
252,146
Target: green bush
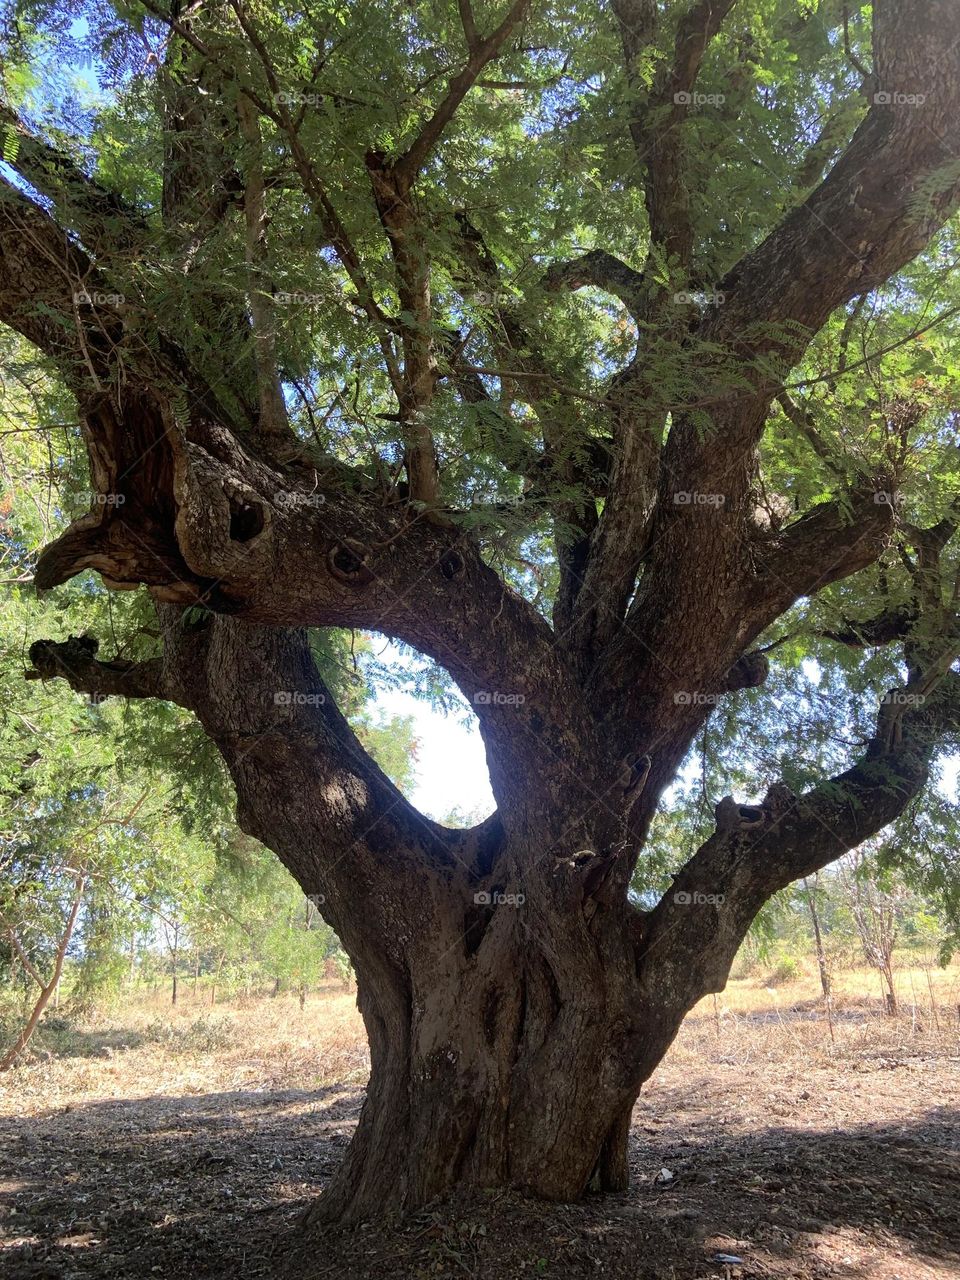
787,969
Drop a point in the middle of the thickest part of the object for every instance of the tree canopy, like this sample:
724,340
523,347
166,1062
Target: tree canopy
605,359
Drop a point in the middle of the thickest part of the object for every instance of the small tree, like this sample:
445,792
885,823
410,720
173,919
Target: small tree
876,902
810,892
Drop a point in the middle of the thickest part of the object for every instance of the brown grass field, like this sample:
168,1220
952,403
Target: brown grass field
184,1143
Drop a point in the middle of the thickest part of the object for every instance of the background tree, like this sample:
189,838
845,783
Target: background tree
677,275
117,843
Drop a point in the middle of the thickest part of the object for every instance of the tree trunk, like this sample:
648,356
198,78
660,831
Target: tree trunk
174,960
459,1101
46,989
216,981
507,1048
818,939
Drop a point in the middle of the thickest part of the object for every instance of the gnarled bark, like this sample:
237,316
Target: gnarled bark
514,998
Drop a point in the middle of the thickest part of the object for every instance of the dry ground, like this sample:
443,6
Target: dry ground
184,1143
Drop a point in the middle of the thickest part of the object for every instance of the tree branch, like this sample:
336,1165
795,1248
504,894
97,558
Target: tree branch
831,542
482,51
273,420
75,661
105,221
758,850
602,270
884,628
657,135
25,959
510,333
894,186
45,281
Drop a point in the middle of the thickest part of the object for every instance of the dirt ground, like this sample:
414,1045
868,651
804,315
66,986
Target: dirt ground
186,1144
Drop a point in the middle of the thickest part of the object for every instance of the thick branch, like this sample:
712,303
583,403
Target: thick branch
656,131
75,661
104,220
895,185
46,283
884,628
602,270
758,850
831,542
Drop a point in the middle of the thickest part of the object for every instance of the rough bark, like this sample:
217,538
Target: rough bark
509,1037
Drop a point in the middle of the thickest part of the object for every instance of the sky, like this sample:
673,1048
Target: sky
452,767
451,763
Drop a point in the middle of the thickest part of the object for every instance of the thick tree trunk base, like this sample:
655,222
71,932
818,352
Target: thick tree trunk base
465,1102
463,1163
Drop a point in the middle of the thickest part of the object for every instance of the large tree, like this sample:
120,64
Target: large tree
550,343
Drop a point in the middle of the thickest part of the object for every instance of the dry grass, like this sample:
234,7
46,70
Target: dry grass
148,1047
181,1141
752,1022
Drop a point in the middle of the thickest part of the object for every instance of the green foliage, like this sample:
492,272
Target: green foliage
131,796
539,163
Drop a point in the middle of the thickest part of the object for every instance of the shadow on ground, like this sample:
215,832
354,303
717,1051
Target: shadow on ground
211,1187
